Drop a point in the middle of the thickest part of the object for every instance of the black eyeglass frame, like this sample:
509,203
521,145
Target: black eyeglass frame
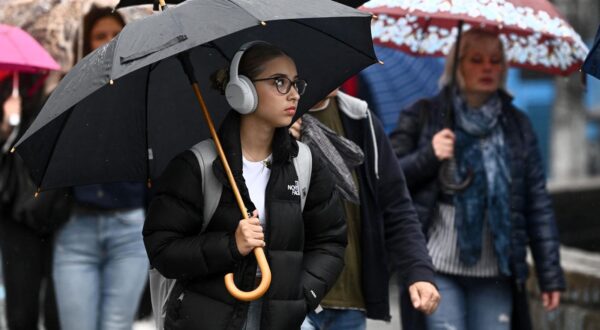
292,83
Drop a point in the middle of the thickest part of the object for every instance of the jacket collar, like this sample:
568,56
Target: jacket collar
284,148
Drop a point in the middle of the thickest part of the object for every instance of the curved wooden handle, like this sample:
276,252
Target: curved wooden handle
260,290
259,253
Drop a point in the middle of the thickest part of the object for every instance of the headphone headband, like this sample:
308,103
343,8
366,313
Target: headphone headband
235,61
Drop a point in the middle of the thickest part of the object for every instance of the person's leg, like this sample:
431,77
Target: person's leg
125,269
335,319
22,258
51,321
489,304
312,321
451,312
76,273
346,319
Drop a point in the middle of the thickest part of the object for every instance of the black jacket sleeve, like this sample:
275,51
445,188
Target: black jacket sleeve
325,235
171,232
419,163
404,238
541,224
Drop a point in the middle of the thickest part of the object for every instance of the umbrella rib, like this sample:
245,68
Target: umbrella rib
148,179
214,46
244,9
18,49
54,146
334,38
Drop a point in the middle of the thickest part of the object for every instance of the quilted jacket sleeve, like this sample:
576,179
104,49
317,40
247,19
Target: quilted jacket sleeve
541,224
418,162
172,228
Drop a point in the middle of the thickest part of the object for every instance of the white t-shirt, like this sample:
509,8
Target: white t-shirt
257,175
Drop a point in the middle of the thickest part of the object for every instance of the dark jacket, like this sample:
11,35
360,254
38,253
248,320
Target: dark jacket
390,231
532,216
305,250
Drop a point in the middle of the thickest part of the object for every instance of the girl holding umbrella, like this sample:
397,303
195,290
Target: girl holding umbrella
305,248
478,233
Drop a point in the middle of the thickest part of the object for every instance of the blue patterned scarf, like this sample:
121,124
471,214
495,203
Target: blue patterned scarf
480,147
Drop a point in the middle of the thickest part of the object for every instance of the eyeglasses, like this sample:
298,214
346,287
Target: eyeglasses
284,84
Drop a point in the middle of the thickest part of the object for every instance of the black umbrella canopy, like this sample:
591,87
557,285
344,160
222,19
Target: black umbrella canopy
592,61
127,108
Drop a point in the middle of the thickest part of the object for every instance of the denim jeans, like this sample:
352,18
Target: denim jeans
471,303
335,319
100,269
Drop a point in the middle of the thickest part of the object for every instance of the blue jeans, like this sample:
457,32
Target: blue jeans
100,269
471,303
335,319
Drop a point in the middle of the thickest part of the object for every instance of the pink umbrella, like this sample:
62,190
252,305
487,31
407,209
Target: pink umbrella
21,53
534,34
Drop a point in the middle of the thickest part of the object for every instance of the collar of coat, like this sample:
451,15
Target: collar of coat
284,149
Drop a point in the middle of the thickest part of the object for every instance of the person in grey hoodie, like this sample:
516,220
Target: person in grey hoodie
383,230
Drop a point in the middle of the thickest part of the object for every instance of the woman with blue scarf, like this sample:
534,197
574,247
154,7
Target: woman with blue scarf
478,233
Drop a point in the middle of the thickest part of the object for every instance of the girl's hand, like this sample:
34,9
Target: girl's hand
249,234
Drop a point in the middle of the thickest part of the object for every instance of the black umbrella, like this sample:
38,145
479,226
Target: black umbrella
592,61
127,109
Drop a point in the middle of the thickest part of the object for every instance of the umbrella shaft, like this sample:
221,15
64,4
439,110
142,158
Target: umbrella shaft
215,137
15,87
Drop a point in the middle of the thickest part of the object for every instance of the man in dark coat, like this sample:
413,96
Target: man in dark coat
383,231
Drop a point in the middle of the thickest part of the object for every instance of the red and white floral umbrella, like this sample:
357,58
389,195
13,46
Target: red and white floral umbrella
534,34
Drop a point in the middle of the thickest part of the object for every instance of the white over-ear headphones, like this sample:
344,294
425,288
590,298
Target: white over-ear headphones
240,91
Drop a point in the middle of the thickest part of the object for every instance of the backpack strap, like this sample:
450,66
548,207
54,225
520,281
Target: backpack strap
303,165
206,154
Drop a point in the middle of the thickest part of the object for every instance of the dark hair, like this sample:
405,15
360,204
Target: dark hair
251,64
89,20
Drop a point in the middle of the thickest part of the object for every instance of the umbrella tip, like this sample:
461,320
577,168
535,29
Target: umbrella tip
263,23
380,62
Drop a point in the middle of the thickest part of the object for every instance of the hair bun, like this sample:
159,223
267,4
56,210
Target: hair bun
219,80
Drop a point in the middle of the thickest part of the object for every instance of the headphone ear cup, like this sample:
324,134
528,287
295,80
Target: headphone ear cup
241,95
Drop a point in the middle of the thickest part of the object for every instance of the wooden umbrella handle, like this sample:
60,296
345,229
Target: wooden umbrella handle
260,290
258,252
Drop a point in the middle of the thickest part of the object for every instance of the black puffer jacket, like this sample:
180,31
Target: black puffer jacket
532,216
305,250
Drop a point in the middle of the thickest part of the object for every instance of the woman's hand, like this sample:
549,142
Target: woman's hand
249,234
551,300
296,129
11,112
443,144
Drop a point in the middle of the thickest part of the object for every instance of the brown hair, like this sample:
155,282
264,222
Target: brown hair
89,20
470,39
251,64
